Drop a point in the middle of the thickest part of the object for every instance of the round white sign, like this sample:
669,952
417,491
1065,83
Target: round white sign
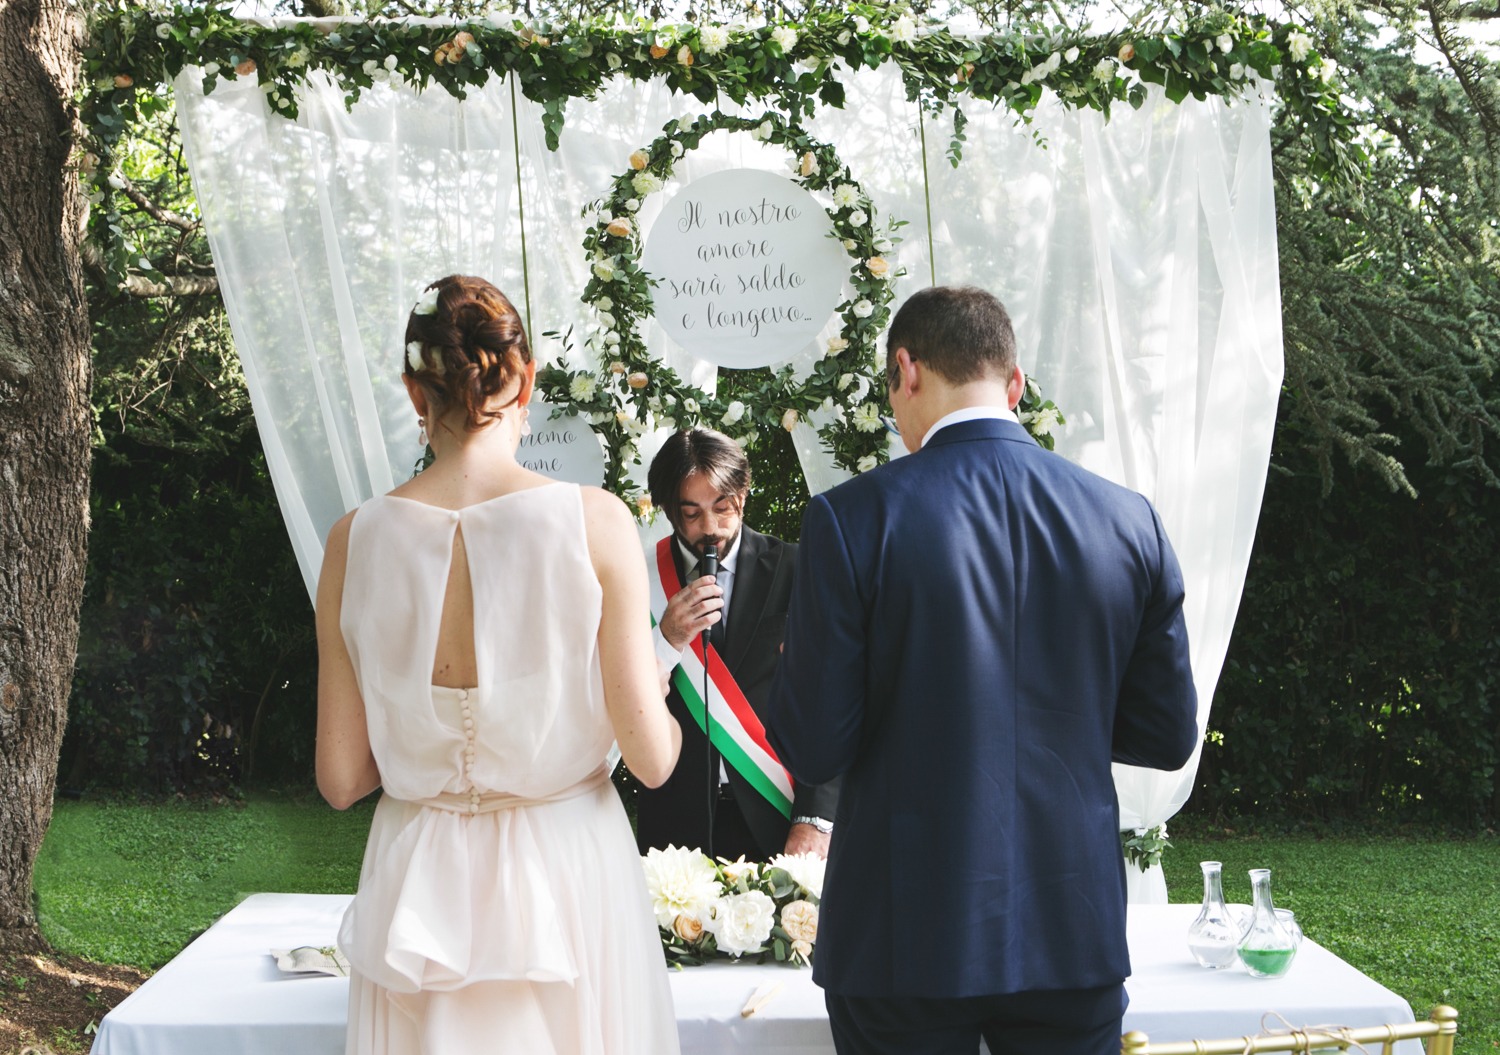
564,448
746,274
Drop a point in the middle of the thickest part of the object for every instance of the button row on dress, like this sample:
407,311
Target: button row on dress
469,750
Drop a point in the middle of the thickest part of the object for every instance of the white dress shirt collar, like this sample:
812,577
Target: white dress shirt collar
970,414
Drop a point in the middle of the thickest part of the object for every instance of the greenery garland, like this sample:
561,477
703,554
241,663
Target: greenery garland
631,393
134,52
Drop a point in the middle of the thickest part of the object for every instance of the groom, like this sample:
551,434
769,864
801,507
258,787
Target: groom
977,631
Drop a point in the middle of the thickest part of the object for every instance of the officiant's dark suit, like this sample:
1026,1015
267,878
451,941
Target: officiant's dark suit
977,631
748,640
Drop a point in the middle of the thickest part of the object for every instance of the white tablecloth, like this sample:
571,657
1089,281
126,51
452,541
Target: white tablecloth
223,994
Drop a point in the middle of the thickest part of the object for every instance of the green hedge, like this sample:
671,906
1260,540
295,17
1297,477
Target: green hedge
1361,678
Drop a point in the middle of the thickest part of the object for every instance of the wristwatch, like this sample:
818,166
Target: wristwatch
826,827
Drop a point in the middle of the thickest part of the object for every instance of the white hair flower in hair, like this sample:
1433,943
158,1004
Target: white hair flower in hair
414,356
427,302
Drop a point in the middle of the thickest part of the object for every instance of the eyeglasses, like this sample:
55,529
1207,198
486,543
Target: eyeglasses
890,425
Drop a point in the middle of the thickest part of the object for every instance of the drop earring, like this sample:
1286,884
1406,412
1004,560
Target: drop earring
525,421
422,433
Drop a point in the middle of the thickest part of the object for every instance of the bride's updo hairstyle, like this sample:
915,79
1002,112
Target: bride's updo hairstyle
465,345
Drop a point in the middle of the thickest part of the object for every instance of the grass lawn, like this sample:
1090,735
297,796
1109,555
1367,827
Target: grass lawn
131,884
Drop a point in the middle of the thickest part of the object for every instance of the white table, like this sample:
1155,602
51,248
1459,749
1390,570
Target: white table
223,994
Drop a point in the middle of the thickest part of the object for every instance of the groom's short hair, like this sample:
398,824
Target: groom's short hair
961,332
690,451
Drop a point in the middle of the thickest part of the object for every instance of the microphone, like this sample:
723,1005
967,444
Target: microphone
709,565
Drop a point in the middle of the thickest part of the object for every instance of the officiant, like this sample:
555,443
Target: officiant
729,794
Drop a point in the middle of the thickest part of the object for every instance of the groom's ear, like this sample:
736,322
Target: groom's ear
905,377
1015,388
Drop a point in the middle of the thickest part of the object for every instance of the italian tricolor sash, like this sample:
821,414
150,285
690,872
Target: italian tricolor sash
736,730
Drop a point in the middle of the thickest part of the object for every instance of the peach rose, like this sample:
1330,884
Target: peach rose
617,367
686,927
643,508
800,921
124,80
685,55
809,164
658,52
245,68
639,160
877,266
638,380
789,420
619,227
1127,52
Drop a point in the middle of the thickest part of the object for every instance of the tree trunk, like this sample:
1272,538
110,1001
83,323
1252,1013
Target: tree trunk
44,429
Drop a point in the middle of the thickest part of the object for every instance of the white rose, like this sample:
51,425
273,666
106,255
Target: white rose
371,67
861,388
1299,44
845,195
843,37
646,183
861,24
845,380
163,30
789,420
211,69
632,204
605,270
1104,70
604,304
806,870
837,345
606,320
763,132
858,218
611,338
785,37
1326,69
427,302
714,39
742,923
1044,421
680,882
1225,42
677,150
733,413
863,309
734,871
849,244
690,405
867,463
1236,71
613,61
582,388
905,30
1071,55
867,418
390,63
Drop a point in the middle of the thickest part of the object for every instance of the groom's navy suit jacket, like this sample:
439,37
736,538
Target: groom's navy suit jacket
976,632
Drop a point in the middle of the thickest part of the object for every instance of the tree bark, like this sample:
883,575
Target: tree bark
44,429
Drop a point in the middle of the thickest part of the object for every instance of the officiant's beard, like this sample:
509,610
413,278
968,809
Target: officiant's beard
724,543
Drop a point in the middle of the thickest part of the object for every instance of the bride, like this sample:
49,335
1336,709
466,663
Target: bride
481,644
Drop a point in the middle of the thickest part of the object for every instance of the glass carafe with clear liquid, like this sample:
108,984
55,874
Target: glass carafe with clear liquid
1214,937
1268,946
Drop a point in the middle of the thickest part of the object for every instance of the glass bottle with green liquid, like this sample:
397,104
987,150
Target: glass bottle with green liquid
1268,946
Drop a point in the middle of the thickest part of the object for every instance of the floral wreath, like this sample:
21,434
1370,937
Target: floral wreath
631,392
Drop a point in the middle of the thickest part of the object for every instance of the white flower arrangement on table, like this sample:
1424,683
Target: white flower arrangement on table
734,909
623,404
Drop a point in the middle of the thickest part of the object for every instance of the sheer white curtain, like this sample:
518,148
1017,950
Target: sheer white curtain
1137,257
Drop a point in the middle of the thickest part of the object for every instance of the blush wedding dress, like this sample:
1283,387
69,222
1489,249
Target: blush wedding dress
501,904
